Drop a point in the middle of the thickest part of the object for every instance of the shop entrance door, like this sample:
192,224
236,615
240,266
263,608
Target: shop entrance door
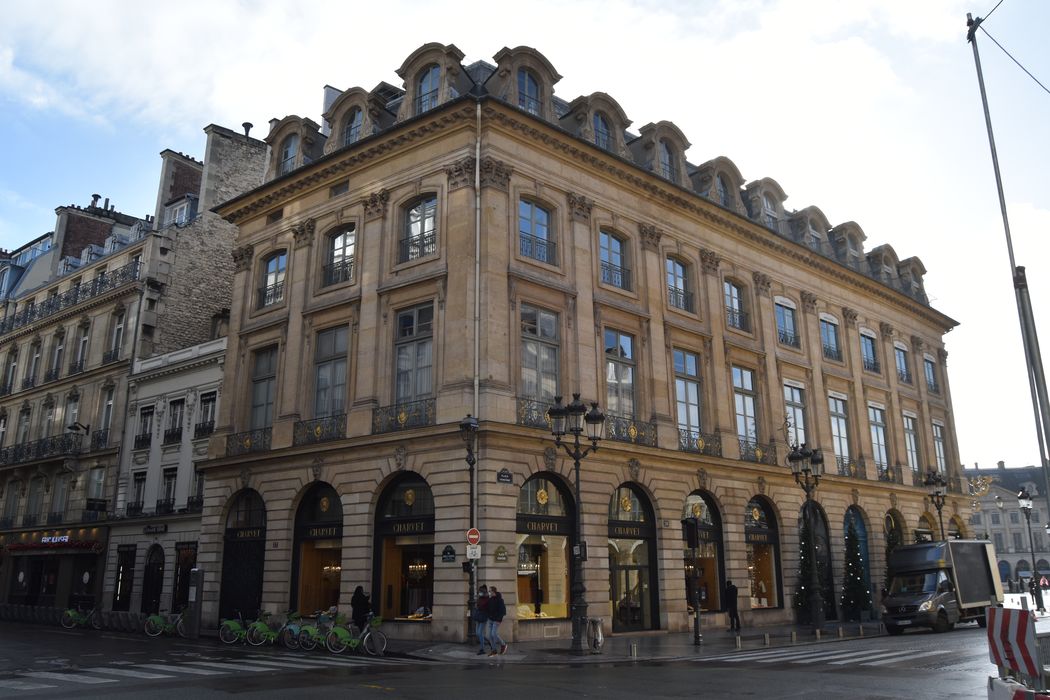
153,580
632,610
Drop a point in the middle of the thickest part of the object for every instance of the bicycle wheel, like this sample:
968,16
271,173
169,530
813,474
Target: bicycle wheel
180,627
335,643
227,635
289,638
375,643
153,627
255,636
68,620
95,620
306,640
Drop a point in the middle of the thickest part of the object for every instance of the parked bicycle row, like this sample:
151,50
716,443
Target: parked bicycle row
292,630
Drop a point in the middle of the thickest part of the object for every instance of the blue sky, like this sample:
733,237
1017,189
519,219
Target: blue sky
868,109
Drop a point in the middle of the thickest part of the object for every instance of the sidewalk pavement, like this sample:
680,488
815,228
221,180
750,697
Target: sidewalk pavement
646,646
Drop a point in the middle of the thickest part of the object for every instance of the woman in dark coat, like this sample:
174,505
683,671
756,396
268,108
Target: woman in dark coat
360,607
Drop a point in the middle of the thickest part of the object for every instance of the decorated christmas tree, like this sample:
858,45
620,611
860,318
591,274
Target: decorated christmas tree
856,597
801,601
893,541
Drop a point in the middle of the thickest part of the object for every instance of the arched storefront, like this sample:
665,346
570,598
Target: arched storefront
632,561
544,533
317,553
243,556
153,580
1005,571
706,570
856,517
763,555
403,574
822,548
925,529
956,529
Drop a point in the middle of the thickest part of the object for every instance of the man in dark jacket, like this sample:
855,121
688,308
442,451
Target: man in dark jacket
497,610
481,618
734,616
360,607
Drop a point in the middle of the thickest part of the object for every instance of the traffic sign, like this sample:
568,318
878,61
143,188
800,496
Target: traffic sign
473,551
473,536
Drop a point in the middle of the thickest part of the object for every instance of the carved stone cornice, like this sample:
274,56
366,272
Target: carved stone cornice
580,207
650,236
809,300
495,173
375,205
242,257
709,260
886,329
762,283
850,315
303,233
460,173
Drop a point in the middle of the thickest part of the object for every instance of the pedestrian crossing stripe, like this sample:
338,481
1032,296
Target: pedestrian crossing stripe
184,669
69,677
22,685
865,657
127,673
228,666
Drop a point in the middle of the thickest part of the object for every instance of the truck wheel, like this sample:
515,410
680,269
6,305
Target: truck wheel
894,630
942,624
982,621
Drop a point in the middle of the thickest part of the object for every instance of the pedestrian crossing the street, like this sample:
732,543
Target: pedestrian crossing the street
192,667
830,656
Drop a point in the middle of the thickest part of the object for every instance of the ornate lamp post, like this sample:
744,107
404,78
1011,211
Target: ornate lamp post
938,495
691,524
468,430
1024,502
807,466
572,419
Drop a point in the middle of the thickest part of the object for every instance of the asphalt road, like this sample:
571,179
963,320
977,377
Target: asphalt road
45,662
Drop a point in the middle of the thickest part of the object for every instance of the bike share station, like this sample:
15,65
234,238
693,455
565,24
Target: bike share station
52,569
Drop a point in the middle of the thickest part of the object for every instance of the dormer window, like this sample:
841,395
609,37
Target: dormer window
427,88
352,127
602,135
528,92
814,236
177,213
289,150
723,191
769,211
667,164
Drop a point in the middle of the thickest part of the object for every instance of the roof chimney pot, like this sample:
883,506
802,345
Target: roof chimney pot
247,127
94,199
105,205
1002,464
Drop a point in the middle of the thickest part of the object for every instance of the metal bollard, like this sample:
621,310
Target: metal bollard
862,630
633,650
842,632
793,636
765,639
738,641
818,635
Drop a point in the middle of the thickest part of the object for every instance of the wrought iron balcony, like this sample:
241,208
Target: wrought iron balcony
30,519
195,504
165,506
529,104
94,510
100,439
56,517
848,466
933,387
616,276
54,446
702,443
872,365
533,413
111,355
415,247
5,388
680,299
133,509
735,318
629,430
201,430
403,416
6,523
426,101
538,248
76,366
257,440
307,432
273,294
143,440
889,472
751,451
172,435
833,352
904,375
342,271
28,383
788,338
100,285
52,374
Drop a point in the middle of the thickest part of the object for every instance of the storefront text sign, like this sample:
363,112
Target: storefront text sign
155,529
402,528
321,532
54,539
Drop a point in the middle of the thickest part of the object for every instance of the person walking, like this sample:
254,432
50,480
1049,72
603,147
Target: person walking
360,607
731,608
481,618
496,611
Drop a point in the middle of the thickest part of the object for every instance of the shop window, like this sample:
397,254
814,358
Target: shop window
317,554
763,555
632,561
404,551
243,555
185,560
703,558
543,534
125,577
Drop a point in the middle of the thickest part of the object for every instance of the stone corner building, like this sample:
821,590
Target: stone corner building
473,243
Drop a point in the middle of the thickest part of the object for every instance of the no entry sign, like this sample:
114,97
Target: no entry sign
473,535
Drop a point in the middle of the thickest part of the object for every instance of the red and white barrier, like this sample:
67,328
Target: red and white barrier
1000,689
1011,640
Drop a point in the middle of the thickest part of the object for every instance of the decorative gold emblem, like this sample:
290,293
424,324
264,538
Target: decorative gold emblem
547,417
700,443
542,497
759,453
402,417
317,430
323,504
852,468
756,513
410,497
697,510
632,432
625,504
247,442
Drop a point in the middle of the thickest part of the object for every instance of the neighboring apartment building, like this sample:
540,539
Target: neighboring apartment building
999,519
74,328
472,243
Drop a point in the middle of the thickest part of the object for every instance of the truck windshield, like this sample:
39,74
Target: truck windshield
914,583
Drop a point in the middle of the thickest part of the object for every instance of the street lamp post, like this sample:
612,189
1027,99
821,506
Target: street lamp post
807,466
938,495
692,529
572,419
1024,502
468,430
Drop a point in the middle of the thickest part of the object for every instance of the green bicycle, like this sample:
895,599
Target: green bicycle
233,630
159,624
370,638
260,632
312,635
75,618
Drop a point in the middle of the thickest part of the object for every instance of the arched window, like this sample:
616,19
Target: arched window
679,286
153,580
763,554
769,211
528,92
403,575
704,567
535,236
543,532
667,161
723,191
427,88
419,234
855,518
272,290
287,155
352,127
632,560
339,265
602,134
317,551
243,555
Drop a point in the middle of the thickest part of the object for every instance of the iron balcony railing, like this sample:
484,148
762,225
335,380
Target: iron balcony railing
143,440
402,416
98,286
94,510
100,439
30,519
616,276
416,247
76,367
537,248
165,506
52,374
889,472
195,504
934,387
111,355
529,104
273,294
307,432
847,466
54,446
56,517
172,435
904,375
342,271
7,522
872,365
133,509
426,101
738,319
205,429
28,383
832,352
257,440
751,451
680,299
702,443
533,412
630,430
789,338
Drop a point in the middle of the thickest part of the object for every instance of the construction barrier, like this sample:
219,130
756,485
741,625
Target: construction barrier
1011,640
1005,689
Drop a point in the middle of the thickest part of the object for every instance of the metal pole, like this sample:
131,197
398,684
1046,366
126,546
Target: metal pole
579,600
1033,585
939,502
697,637
472,580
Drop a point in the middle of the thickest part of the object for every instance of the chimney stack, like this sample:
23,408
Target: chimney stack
105,205
1002,464
94,199
247,127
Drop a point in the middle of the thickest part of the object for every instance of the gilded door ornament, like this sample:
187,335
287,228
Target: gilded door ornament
410,497
625,504
542,497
